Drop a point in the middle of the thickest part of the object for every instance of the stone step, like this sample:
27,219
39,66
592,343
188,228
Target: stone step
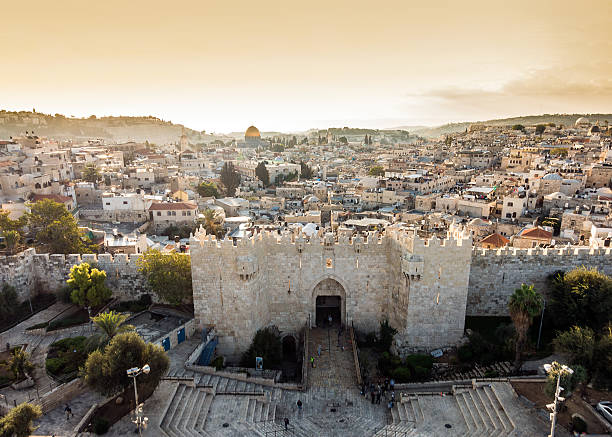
222,385
180,420
478,410
257,412
499,410
479,425
467,418
486,403
167,420
203,414
193,415
418,412
250,417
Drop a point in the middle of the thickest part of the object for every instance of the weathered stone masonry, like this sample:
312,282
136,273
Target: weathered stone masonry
424,287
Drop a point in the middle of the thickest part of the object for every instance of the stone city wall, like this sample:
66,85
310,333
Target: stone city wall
31,273
495,274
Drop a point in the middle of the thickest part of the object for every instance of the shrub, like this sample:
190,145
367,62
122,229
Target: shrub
100,425
55,365
491,374
387,332
217,363
37,326
77,319
265,344
465,353
401,374
18,421
388,362
578,425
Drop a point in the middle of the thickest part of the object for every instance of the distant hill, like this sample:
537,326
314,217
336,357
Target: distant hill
528,120
120,129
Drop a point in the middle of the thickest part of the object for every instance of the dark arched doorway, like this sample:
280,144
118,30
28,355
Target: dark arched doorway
289,348
328,306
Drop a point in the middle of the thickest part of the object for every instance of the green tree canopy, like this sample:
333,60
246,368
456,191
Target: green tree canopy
11,240
91,173
88,286
19,363
230,178
540,128
265,344
210,223
262,173
105,370
581,297
54,228
305,171
377,170
518,127
578,344
8,224
524,305
19,421
208,189
169,276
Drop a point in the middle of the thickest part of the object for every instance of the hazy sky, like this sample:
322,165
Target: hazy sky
287,65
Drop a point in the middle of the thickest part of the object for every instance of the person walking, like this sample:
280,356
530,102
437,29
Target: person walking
330,320
378,397
392,384
299,405
312,362
319,350
286,423
68,412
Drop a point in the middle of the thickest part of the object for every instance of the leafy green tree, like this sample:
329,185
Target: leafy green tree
230,178
377,170
19,420
581,296
169,276
518,127
265,344
91,173
54,228
8,224
19,363
105,369
524,305
88,286
305,171
578,344
568,381
559,151
208,189
540,128
342,140
262,173
386,334
108,325
11,240
602,361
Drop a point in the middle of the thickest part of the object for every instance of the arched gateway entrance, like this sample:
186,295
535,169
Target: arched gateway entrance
330,299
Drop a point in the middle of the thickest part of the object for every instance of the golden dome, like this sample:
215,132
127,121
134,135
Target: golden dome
252,132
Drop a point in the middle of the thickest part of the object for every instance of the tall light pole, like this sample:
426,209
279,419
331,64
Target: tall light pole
139,420
553,407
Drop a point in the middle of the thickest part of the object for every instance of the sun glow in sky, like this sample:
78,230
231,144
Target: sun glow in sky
220,66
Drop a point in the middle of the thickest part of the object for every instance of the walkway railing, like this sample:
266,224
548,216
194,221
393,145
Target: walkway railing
355,354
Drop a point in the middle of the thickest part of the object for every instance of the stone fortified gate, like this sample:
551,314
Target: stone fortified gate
420,286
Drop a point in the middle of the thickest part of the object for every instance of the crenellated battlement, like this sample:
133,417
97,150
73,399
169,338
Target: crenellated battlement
571,251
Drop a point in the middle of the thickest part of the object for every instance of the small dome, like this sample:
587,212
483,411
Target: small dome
252,132
477,222
582,121
552,177
604,191
557,195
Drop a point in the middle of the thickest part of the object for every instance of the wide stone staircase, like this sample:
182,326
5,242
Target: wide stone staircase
483,410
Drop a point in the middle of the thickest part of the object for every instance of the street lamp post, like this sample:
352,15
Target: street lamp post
139,420
553,407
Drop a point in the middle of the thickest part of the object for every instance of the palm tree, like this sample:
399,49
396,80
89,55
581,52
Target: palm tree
109,324
11,239
210,223
524,305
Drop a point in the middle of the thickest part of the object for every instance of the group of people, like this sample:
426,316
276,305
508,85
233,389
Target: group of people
378,391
